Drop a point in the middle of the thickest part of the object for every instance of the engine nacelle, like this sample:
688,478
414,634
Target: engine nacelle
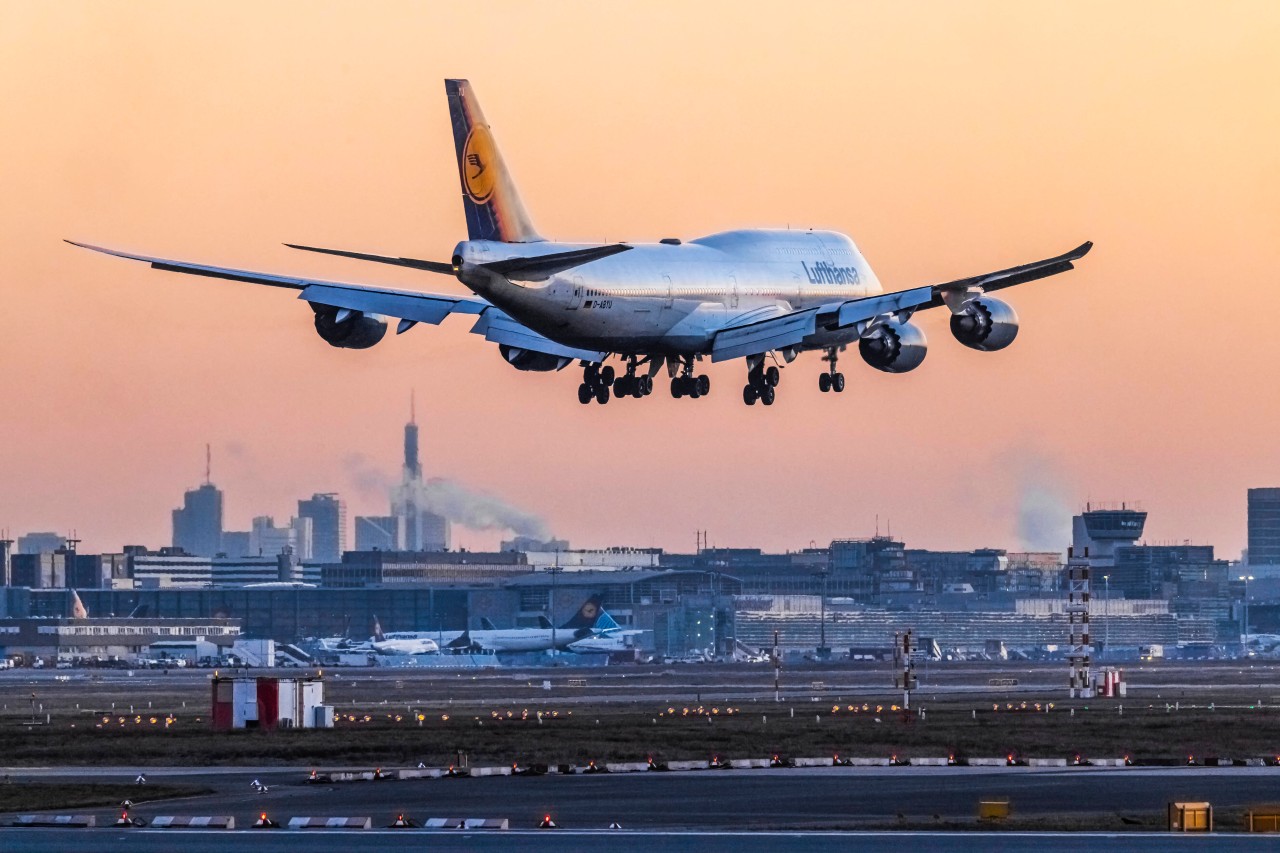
524,359
894,347
354,331
985,324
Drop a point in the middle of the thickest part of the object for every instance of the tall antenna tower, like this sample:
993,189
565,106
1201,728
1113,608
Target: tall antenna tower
208,464
1079,651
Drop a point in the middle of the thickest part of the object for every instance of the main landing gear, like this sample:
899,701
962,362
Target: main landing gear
596,381
688,385
832,380
761,383
631,385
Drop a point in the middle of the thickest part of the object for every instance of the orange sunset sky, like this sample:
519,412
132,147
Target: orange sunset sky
948,139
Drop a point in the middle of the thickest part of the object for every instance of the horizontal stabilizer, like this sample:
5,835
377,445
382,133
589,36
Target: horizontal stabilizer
536,268
542,267
412,263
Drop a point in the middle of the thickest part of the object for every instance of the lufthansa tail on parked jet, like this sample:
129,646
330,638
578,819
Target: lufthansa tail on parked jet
591,616
493,207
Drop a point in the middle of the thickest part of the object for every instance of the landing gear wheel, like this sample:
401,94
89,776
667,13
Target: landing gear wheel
824,382
606,374
602,394
591,374
677,387
646,386
749,394
622,386
771,376
766,396
691,388
837,382
704,385
585,393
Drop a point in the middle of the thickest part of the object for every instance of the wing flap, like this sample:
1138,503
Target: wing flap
498,328
860,310
406,305
761,336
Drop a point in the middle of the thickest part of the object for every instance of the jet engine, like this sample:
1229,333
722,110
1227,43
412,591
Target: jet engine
526,359
354,331
985,324
893,347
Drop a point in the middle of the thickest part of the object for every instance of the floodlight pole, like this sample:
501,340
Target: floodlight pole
1245,633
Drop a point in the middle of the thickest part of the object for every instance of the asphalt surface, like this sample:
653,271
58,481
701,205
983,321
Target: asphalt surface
535,841
782,799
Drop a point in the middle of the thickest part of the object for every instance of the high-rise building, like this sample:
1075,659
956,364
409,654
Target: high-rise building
235,543
1264,527
197,526
267,540
328,517
40,543
423,530
6,552
378,532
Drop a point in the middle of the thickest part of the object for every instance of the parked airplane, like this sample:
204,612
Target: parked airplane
590,620
401,642
765,296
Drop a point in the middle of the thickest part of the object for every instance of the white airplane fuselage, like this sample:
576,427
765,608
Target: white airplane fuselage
405,645
672,298
496,640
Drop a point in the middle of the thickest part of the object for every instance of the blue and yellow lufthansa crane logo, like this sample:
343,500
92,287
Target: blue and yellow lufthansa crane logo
479,164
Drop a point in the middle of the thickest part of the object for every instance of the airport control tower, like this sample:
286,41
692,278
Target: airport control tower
1098,532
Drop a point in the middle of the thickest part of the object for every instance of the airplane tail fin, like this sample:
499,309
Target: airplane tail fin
486,624
588,615
78,610
489,196
544,622
378,636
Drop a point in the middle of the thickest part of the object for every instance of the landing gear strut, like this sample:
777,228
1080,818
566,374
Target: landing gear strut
631,385
761,383
687,384
596,381
832,380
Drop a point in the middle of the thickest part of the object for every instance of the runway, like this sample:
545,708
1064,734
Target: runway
547,841
765,800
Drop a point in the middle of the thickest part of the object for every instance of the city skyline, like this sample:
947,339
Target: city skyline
946,141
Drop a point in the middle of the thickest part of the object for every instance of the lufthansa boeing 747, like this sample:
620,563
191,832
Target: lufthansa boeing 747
764,296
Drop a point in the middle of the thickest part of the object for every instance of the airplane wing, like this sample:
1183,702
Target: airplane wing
411,307
757,336
406,304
